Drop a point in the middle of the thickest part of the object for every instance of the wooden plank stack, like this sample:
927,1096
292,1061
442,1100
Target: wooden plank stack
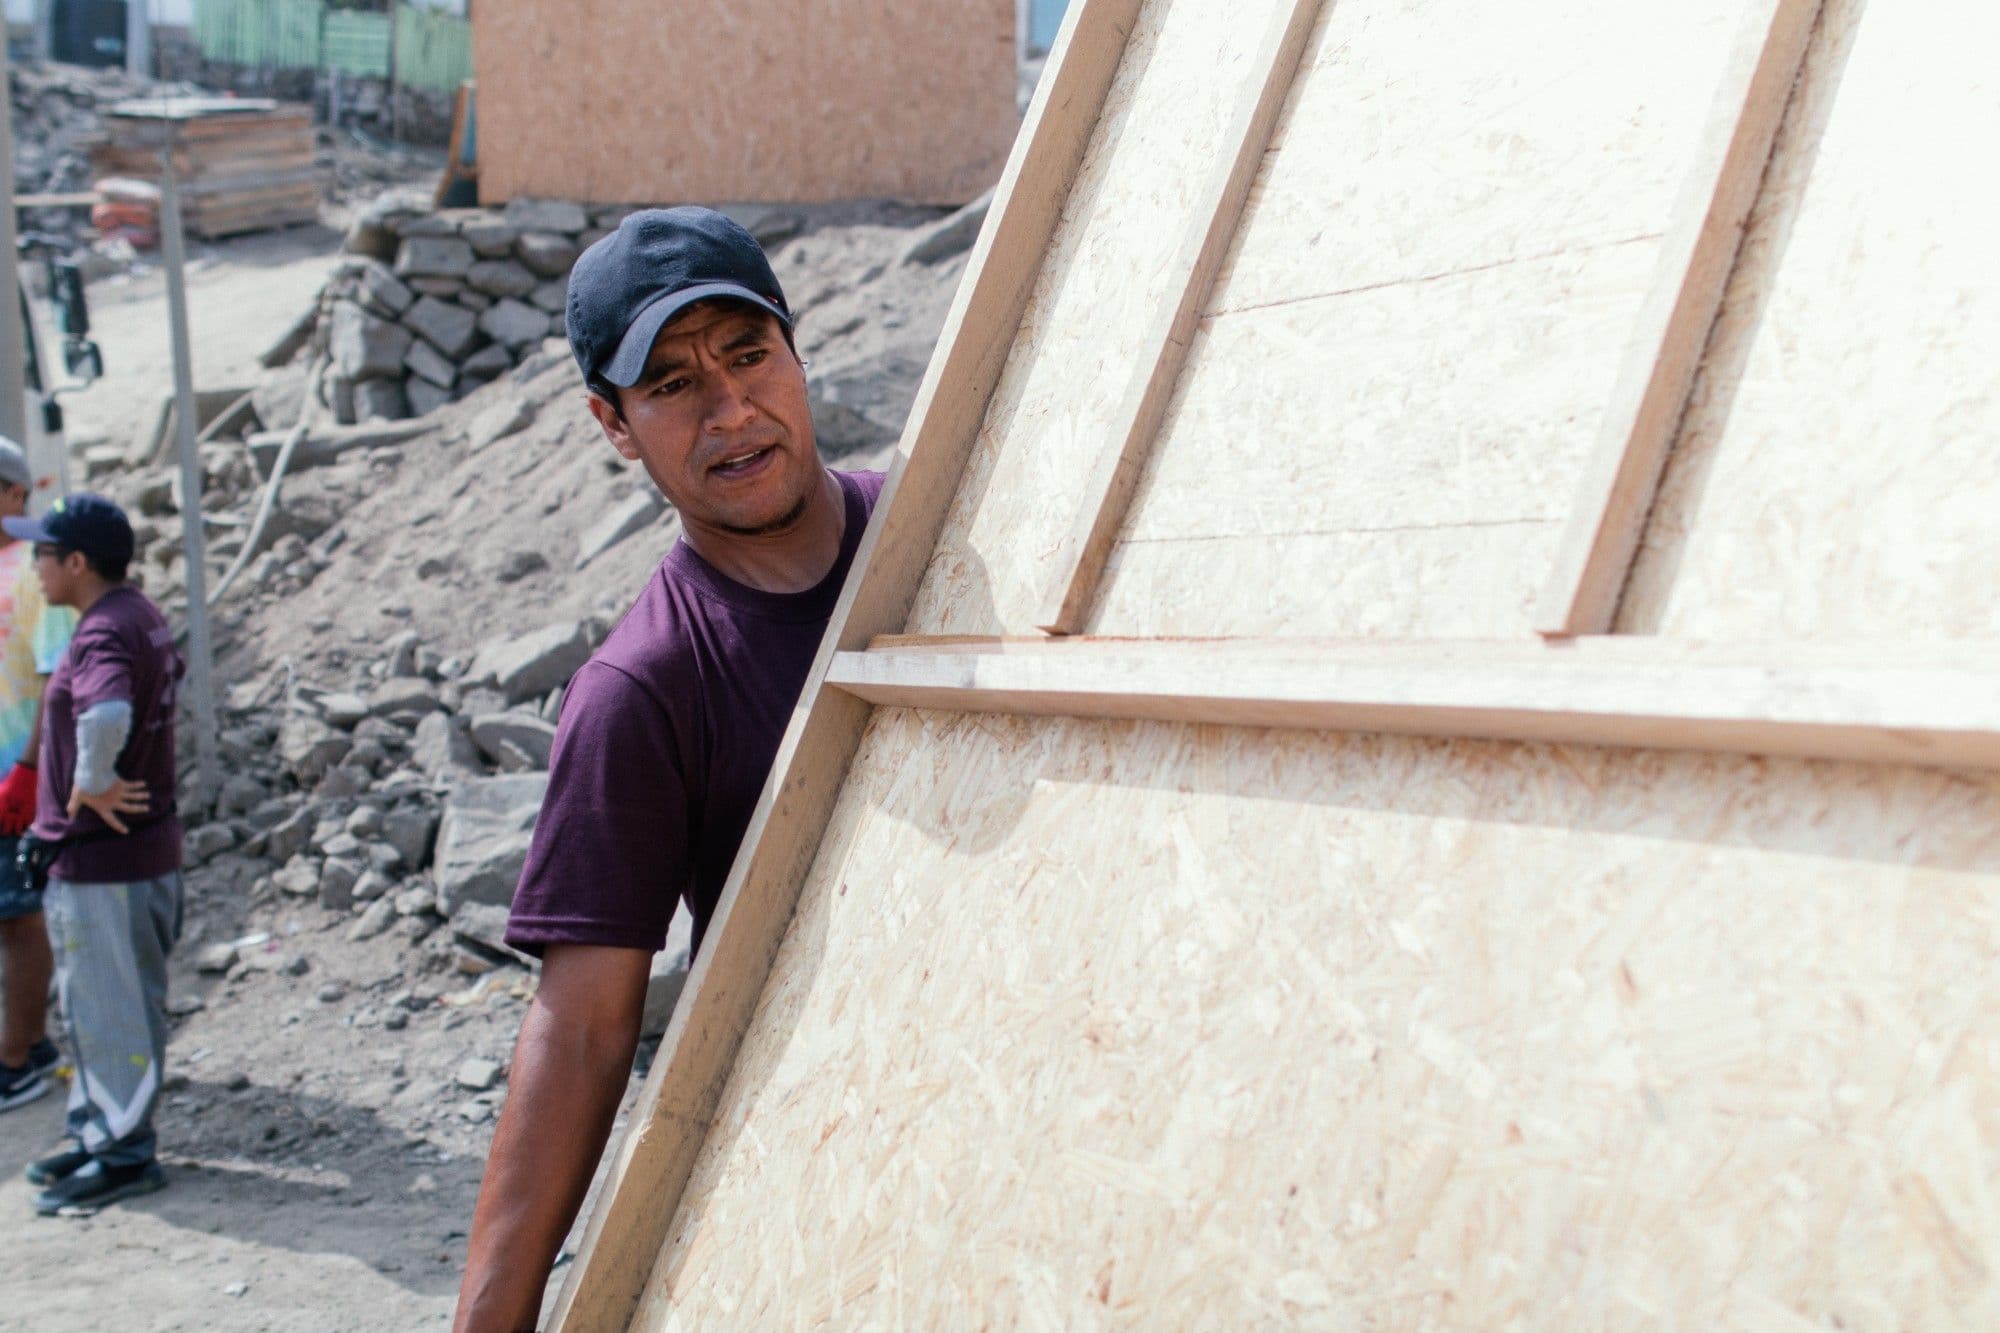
243,164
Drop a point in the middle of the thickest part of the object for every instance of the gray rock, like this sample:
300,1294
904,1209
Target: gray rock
399,655
771,224
547,253
342,709
485,926
530,665
668,975
337,879
546,215
514,324
364,821
443,748
289,838
403,700
478,1074
308,747
451,329
487,362
380,400
489,237
381,914
551,296
445,289
423,225
372,885
483,839
424,397
528,735
414,900
363,346
375,227
949,236
411,831
500,277
240,793
426,361
384,858
338,843
380,291
206,841
478,302
635,513
497,423
298,877
215,958
517,565
433,257
342,781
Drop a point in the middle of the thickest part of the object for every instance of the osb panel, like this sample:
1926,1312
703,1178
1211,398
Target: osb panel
1835,476
1379,463
1410,351
1363,1033
630,101
1104,283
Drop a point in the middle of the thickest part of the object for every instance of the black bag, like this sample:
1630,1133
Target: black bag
33,857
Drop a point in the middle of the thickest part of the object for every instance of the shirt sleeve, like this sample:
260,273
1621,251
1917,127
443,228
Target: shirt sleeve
101,668
609,858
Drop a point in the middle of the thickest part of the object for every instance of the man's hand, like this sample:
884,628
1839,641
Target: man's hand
571,1064
122,797
17,800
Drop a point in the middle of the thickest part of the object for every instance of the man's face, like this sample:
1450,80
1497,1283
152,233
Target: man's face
59,571
13,500
720,422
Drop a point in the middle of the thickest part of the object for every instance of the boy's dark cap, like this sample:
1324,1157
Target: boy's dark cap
660,261
84,522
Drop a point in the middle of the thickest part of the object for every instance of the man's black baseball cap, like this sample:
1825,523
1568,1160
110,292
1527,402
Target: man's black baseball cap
660,261
84,522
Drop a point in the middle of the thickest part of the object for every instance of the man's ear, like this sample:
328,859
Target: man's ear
612,422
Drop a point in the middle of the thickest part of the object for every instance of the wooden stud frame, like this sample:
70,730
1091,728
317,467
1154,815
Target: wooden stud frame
637,1204
1616,494
1930,706
1218,209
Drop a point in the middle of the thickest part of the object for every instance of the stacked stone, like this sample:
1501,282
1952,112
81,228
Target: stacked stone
431,305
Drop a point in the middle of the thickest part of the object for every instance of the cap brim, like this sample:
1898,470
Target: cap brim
629,362
27,530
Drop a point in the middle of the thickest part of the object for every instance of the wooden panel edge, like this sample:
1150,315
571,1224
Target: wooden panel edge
665,1133
1108,494
1615,496
1918,706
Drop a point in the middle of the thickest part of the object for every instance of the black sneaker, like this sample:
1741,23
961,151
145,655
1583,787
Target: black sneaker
22,1083
48,1170
44,1056
93,1185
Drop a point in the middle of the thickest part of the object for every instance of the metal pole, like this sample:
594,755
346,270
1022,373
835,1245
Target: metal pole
193,559
138,38
13,365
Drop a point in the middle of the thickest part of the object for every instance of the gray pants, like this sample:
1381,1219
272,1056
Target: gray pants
111,943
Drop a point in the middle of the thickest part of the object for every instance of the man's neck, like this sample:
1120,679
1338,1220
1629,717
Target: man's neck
90,591
792,559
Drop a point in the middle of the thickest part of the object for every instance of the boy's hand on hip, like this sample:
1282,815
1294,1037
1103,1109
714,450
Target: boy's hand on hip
123,797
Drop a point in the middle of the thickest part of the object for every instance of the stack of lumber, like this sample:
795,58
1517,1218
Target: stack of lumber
243,164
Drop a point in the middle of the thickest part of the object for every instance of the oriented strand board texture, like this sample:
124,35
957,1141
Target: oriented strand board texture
1836,473
1382,420
701,100
1363,1033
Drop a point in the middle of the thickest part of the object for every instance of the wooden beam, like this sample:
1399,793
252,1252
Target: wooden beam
1081,558
1616,493
639,1199
1933,705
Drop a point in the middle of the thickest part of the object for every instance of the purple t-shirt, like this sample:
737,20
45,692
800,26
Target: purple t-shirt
665,739
123,649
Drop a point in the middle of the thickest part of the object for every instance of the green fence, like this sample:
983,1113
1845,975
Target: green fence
431,51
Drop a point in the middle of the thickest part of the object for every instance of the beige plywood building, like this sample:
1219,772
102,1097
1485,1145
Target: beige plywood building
1416,743
639,101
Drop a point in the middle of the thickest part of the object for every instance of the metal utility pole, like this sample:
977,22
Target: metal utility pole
139,38
201,673
13,365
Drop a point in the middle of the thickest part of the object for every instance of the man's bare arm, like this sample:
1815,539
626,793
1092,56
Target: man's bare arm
571,1063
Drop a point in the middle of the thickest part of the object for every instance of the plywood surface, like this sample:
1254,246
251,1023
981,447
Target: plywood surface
1362,1034
626,101
1835,476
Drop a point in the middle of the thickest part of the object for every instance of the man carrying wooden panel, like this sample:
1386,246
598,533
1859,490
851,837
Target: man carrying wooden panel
667,734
